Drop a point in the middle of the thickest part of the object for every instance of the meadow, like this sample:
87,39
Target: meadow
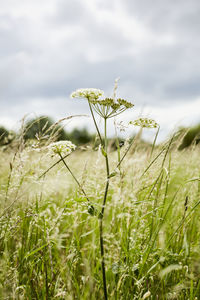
49,237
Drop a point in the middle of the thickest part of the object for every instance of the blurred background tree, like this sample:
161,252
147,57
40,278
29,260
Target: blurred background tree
44,127
80,136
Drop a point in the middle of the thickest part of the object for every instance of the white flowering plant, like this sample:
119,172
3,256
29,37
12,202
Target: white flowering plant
61,147
106,108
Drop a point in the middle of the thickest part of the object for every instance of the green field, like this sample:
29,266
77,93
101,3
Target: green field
49,246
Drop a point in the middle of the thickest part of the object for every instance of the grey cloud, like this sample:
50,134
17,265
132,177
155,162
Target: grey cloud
164,14
70,12
95,53
54,71
186,89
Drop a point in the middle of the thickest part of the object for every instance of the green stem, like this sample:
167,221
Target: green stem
95,123
105,134
43,174
74,177
154,142
102,257
102,213
107,168
126,152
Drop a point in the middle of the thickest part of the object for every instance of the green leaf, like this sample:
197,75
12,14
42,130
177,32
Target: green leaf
112,174
91,210
103,152
35,251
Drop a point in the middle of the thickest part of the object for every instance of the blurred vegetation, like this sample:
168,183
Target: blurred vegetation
191,136
6,137
3,135
80,136
44,127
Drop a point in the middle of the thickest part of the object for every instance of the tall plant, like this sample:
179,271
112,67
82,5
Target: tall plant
106,108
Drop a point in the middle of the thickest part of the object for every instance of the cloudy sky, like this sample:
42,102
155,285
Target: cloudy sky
49,48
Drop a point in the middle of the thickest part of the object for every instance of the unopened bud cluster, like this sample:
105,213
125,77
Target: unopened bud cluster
107,107
145,123
114,104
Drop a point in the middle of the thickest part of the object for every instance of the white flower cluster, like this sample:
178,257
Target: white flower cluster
145,123
62,147
89,93
106,108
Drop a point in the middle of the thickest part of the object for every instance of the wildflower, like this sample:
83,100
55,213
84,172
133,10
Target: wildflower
145,123
109,107
89,93
62,147
106,108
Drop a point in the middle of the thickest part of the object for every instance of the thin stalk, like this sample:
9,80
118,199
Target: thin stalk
117,143
105,134
43,174
153,161
107,168
80,186
102,213
95,123
9,176
154,142
126,152
102,258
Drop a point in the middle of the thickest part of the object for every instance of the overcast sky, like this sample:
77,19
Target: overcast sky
49,48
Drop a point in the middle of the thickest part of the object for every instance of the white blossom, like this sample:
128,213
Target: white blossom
61,147
88,93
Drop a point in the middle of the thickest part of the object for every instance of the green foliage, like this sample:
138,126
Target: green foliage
192,136
49,242
80,136
3,135
6,137
43,127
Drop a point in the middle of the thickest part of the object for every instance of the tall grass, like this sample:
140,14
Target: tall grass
49,243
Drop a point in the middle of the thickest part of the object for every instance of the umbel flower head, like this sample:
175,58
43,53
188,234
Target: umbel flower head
145,123
62,147
89,94
109,107
106,108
